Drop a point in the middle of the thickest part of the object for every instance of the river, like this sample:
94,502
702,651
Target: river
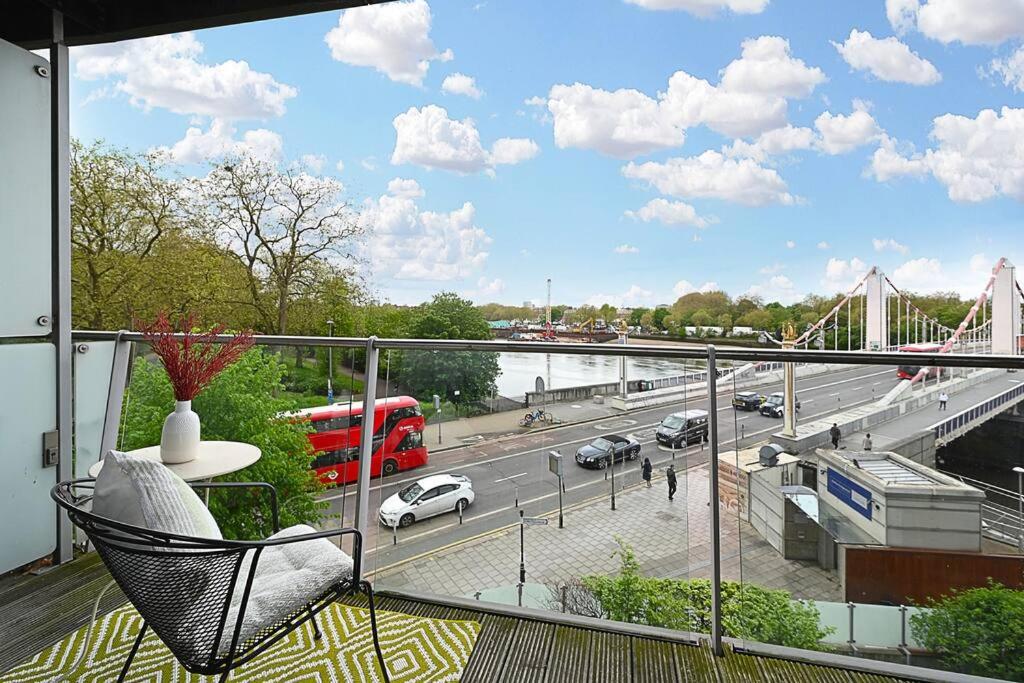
519,371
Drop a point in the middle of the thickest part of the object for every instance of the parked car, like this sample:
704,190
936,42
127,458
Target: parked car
428,497
775,405
595,453
686,427
747,400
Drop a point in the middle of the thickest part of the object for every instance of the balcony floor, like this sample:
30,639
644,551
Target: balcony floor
517,648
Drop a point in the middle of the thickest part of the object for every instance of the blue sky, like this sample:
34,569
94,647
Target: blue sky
631,150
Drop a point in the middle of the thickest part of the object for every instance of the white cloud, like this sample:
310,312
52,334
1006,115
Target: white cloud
218,141
369,163
461,84
626,249
684,287
704,8
409,244
927,275
841,275
776,288
624,123
340,166
711,175
165,72
772,269
392,37
823,245
405,187
669,213
427,137
773,142
486,288
1011,69
841,133
887,58
972,22
766,67
632,297
889,244
314,162
975,159
790,244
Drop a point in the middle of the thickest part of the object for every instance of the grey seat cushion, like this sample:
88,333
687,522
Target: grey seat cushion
288,577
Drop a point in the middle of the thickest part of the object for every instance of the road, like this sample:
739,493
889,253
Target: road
514,469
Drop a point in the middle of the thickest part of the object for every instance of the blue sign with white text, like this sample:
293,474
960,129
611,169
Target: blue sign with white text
850,492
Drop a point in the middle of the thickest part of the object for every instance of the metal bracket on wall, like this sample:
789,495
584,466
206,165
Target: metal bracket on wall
51,448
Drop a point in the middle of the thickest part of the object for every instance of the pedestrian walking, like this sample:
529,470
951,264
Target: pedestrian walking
670,476
646,471
834,433
943,399
865,445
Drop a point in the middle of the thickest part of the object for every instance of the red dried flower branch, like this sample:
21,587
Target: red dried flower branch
193,360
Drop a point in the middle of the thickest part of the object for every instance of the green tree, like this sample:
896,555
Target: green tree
637,314
978,631
725,322
701,318
238,406
659,317
470,373
647,321
751,612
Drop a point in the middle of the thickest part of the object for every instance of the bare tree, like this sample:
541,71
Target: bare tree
573,597
287,227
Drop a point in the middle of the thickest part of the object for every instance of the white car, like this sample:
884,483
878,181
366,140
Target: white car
427,497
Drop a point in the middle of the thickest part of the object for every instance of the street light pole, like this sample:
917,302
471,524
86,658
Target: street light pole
330,365
1020,508
522,555
611,466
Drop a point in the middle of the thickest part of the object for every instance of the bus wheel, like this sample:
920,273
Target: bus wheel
389,468
406,520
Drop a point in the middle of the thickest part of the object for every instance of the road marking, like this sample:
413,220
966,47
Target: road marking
521,474
856,388
835,394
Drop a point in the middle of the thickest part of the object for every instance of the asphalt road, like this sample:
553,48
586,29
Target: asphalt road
515,468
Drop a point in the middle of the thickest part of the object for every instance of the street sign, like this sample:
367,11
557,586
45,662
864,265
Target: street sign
538,384
535,521
555,463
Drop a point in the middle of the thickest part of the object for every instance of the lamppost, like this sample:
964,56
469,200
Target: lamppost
330,364
1020,508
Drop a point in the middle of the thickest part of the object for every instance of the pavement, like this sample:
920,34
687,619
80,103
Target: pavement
671,539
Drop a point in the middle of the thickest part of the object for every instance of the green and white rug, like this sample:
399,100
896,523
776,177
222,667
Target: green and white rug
416,649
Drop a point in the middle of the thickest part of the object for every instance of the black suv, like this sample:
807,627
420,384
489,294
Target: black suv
747,400
689,426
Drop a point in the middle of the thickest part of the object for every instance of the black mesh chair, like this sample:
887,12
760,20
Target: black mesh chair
183,586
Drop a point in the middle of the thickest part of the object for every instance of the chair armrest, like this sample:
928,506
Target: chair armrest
246,484
357,544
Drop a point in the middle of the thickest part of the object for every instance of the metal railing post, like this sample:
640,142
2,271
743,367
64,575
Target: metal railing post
115,395
716,558
366,441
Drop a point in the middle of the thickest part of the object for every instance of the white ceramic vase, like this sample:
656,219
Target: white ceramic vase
179,441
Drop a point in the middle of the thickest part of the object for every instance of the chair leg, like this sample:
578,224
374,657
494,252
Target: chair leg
366,588
224,676
316,627
131,655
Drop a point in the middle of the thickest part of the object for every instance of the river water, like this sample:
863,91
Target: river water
519,371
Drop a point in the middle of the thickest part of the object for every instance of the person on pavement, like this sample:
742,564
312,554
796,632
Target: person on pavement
646,471
834,433
865,445
670,476
943,399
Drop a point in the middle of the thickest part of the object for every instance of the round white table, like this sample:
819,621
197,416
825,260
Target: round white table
215,458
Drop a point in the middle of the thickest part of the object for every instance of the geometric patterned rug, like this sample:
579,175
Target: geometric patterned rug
416,649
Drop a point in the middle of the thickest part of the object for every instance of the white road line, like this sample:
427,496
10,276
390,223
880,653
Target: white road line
521,474
835,394
856,388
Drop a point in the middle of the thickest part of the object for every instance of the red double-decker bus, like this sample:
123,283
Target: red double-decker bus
909,371
337,429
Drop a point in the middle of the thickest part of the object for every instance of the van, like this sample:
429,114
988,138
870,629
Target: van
686,427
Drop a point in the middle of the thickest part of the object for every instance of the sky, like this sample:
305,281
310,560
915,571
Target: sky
631,150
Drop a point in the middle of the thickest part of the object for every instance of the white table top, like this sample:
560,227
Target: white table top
215,458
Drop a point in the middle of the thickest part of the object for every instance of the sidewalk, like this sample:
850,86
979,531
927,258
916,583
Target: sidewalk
671,539
469,430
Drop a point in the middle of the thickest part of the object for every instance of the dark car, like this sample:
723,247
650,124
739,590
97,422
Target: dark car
747,400
689,426
775,405
595,453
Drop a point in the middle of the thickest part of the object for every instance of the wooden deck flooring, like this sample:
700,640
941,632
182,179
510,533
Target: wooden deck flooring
40,610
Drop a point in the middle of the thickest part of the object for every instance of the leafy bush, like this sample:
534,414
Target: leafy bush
238,406
977,631
750,612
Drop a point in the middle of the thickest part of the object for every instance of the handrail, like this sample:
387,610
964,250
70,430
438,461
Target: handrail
745,354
